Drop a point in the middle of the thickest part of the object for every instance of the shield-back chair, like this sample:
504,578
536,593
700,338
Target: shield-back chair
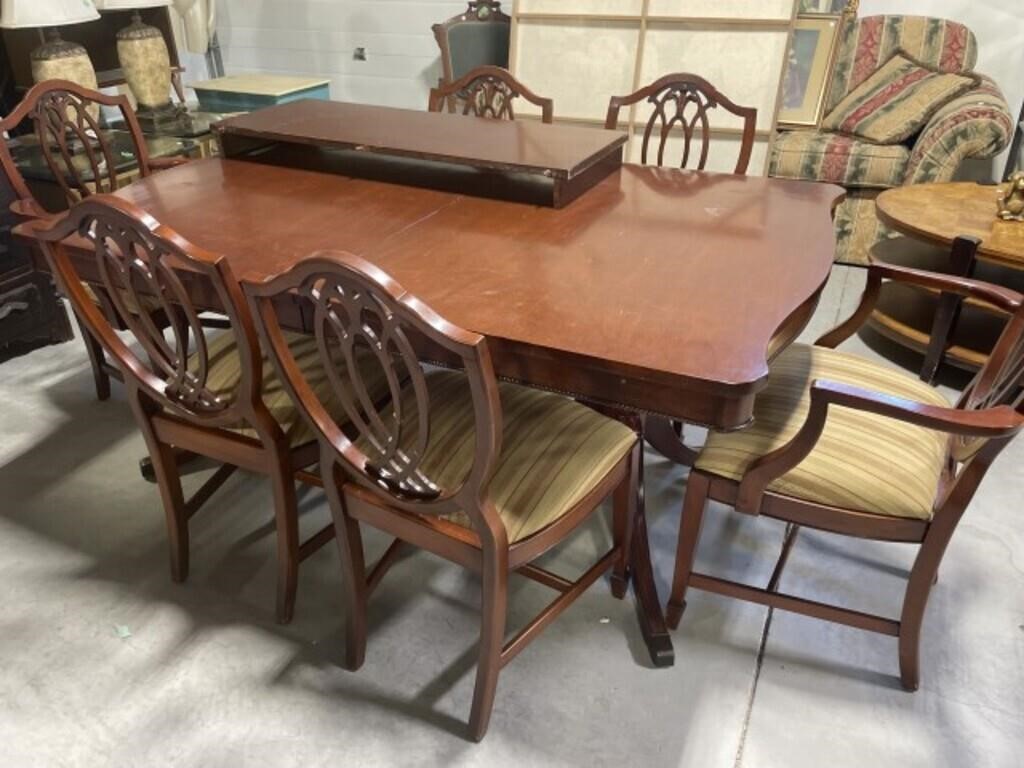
487,92
223,401
80,156
680,104
487,475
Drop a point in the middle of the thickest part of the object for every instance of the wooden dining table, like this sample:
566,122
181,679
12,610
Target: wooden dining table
657,291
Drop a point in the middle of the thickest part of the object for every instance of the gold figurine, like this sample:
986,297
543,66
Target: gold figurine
1010,201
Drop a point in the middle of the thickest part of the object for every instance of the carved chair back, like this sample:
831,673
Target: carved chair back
487,92
1000,380
477,37
132,256
366,323
682,102
77,152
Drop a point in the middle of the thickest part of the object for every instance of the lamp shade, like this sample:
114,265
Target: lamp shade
129,5
45,13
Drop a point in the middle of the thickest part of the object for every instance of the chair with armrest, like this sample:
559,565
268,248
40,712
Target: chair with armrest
487,92
487,475
223,401
477,37
79,155
671,98
843,444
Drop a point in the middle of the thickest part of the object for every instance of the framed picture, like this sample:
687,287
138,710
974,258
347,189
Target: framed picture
811,56
832,7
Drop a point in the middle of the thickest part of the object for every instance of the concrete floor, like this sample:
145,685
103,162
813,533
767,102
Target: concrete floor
103,661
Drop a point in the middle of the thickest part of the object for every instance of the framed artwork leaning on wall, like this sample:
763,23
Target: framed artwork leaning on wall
808,68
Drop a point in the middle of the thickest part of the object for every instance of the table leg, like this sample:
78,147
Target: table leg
648,605
641,569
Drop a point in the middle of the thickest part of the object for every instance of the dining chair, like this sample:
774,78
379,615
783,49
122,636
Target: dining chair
488,475
487,92
476,37
843,444
682,101
223,401
65,122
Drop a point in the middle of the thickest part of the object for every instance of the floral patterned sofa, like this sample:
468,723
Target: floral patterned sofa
975,124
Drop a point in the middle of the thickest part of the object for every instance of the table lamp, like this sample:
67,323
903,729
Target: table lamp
55,58
146,63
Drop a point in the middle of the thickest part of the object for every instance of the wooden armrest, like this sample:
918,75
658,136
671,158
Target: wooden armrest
1003,298
1000,421
28,209
163,163
28,229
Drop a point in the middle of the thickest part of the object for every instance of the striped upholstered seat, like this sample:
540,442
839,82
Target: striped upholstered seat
861,461
553,451
149,303
225,373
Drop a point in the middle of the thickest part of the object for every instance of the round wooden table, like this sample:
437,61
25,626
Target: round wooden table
939,213
932,217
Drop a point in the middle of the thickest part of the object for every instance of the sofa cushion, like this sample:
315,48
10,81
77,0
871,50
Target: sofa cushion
977,124
867,43
896,101
842,160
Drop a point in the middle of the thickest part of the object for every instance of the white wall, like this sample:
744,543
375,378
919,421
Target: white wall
319,37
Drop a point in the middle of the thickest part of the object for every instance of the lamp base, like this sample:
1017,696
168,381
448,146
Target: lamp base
58,59
168,119
146,63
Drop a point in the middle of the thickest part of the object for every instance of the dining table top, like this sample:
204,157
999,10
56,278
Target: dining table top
655,278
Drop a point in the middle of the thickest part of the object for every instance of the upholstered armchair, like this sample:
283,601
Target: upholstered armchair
976,124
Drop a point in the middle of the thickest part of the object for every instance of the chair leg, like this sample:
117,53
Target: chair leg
96,359
923,575
286,514
623,514
689,535
494,603
353,567
169,481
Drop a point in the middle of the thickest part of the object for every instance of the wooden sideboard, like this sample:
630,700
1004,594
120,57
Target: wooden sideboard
30,312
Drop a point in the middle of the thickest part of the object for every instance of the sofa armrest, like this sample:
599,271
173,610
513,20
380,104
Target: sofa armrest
977,124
